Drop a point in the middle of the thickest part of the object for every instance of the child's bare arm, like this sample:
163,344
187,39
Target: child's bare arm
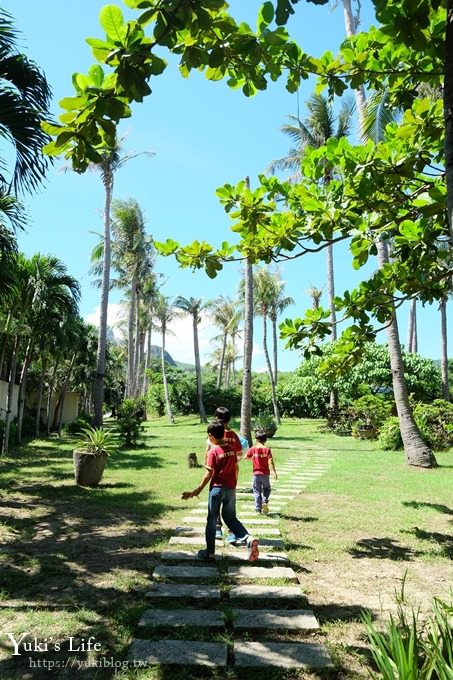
199,488
273,468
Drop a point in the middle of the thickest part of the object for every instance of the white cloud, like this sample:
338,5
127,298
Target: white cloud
179,341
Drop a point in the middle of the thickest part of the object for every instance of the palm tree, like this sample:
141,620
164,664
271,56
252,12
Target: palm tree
111,161
263,290
417,452
321,125
225,314
24,103
444,349
164,314
193,307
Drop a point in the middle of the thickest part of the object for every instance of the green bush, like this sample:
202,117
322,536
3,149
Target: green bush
264,421
129,421
435,421
390,436
77,425
373,409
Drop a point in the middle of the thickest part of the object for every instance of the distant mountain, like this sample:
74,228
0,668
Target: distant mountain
156,352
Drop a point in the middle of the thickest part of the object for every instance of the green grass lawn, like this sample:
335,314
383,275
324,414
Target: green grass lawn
75,562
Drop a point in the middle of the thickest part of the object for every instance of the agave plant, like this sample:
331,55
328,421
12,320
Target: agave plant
96,440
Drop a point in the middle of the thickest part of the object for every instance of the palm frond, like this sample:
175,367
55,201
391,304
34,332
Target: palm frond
379,114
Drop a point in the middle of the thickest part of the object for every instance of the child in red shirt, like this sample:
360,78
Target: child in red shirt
221,473
261,456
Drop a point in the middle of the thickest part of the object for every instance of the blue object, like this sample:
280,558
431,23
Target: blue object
244,442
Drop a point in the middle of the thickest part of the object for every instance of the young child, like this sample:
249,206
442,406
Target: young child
223,414
261,456
221,474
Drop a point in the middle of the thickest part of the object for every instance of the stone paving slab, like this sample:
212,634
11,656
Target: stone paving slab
282,655
189,531
178,652
193,591
187,540
169,571
265,593
252,573
268,543
281,619
183,555
204,618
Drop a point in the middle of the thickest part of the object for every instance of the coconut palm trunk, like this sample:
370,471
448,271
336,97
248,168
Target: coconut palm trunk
246,402
10,395
269,370
196,350
417,452
40,395
444,349
448,114
164,379
98,392
333,400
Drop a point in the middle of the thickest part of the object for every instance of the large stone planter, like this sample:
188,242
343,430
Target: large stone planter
88,467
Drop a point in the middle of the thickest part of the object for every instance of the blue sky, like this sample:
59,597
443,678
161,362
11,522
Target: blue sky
203,135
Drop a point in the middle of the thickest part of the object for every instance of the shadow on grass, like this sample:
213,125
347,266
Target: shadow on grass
443,541
433,506
383,548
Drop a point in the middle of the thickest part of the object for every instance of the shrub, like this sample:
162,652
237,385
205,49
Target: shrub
129,421
412,649
265,422
435,421
372,409
77,425
390,436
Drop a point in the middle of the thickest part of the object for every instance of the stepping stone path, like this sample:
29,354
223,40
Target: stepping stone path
227,596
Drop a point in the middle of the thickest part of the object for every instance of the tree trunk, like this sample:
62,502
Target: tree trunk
39,400
147,362
49,395
222,361
275,348
417,452
333,401
98,392
22,390
130,341
410,327
269,370
10,395
165,381
448,114
246,403
135,380
351,24
444,349
196,349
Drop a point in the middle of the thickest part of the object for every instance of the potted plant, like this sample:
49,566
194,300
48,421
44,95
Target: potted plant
91,457
264,421
364,429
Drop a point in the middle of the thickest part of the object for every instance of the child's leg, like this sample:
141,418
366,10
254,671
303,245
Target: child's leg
257,492
266,487
214,502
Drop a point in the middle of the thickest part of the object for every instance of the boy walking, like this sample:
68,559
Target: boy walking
221,474
230,436
261,456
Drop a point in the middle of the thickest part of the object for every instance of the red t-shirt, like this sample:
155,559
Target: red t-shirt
261,456
233,440
222,460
